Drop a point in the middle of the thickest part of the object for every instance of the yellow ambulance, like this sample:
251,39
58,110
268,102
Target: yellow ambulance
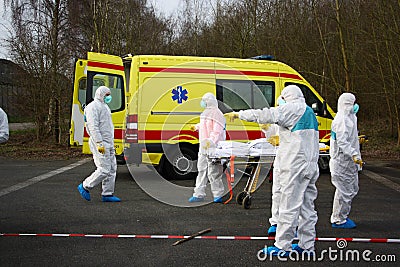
156,99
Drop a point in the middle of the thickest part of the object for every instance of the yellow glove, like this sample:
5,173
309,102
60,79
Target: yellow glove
232,116
265,127
206,144
101,148
357,160
193,128
274,140
362,139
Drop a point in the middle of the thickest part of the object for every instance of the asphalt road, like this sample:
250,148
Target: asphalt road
38,197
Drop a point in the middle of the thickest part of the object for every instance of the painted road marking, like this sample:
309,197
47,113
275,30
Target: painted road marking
42,177
382,180
213,237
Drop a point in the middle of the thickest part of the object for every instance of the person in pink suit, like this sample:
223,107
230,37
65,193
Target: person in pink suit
211,130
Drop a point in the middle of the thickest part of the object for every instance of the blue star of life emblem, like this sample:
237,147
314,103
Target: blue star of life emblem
179,94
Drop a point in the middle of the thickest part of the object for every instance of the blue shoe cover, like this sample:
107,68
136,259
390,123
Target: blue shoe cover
349,224
196,199
300,250
217,199
110,199
84,193
297,248
274,251
272,230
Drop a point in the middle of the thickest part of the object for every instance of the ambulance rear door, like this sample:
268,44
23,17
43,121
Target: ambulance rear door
78,104
107,70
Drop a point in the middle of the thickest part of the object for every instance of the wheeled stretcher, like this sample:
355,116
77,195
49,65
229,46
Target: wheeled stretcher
256,160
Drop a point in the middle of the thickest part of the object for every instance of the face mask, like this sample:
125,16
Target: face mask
356,107
281,102
107,99
203,104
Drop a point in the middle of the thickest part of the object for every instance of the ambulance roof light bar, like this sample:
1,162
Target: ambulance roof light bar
263,57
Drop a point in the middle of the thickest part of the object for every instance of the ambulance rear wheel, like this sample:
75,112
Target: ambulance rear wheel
181,165
240,197
247,202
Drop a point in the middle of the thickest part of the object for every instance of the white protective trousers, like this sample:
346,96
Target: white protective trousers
346,189
208,171
296,208
276,194
344,145
106,169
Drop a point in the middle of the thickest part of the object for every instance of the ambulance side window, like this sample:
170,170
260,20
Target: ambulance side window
311,99
265,95
114,82
235,95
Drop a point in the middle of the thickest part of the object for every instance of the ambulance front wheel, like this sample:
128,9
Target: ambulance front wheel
247,202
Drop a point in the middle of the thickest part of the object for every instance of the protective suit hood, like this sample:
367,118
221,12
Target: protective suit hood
210,100
346,103
101,93
291,93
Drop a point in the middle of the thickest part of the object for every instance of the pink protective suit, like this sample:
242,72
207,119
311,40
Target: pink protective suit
211,130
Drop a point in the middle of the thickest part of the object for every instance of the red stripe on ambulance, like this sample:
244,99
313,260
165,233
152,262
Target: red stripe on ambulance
105,65
171,134
117,133
220,72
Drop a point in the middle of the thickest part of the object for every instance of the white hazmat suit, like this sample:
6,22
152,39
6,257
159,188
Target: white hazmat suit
211,130
100,128
344,148
4,131
298,164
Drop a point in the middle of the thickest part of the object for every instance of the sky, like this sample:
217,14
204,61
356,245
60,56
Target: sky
167,7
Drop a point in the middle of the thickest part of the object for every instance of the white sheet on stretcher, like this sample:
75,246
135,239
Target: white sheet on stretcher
258,147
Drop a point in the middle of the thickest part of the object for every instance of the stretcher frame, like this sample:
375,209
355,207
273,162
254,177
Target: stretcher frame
250,162
244,198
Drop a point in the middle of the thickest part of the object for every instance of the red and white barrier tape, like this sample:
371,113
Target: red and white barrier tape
323,239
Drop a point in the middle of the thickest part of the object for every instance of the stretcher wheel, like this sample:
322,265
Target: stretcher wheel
240,197
247,202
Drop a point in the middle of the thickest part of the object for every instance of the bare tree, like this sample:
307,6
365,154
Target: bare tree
119,27
39,34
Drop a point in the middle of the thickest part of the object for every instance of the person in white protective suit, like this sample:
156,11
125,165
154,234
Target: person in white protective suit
298,164
100,128
211,130
345,160
4,131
